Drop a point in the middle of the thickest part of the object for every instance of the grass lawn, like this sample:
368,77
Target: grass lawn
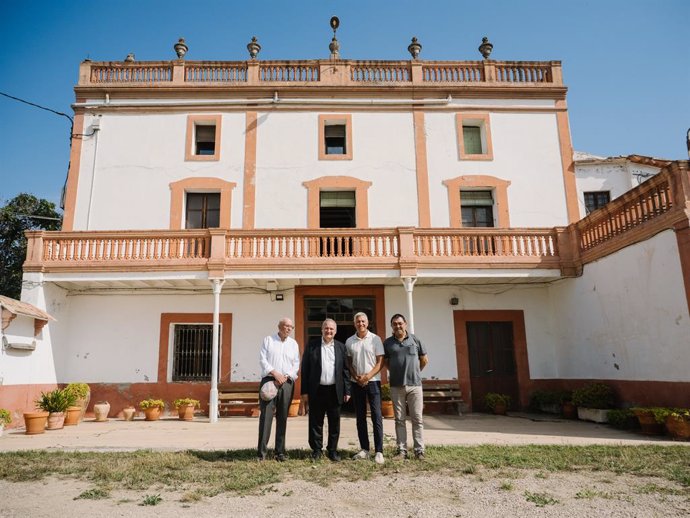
208,473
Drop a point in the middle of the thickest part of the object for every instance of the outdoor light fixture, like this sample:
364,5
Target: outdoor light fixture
334,47
279,297
454,301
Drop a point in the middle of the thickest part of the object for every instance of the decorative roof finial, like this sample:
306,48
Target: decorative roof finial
181,48
414,48
334,47
253,47
129,58
486,47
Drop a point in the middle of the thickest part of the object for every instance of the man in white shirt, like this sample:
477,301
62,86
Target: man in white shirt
325,387
279,362
365,359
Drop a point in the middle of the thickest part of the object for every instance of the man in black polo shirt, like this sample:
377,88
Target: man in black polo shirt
405,358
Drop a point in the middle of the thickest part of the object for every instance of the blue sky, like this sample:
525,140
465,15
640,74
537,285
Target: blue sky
626,62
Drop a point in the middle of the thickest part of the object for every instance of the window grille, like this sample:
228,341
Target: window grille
192,352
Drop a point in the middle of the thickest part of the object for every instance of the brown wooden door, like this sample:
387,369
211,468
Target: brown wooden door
491,354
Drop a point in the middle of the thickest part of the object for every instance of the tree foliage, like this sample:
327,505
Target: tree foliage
21,213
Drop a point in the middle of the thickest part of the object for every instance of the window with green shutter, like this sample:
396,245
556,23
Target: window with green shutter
472,138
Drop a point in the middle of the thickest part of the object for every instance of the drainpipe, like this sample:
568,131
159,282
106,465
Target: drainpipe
409,282
213,398
96,126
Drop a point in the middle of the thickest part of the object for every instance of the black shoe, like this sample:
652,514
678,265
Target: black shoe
260,458
316,455
333,456
281,458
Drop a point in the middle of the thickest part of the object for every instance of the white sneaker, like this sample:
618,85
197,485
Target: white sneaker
378,458
362,455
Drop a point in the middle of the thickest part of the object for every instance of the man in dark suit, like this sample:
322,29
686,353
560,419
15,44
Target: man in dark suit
325,387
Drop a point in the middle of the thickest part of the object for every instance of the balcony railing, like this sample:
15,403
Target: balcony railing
320,72
289,249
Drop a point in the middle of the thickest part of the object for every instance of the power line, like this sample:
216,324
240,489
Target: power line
37,106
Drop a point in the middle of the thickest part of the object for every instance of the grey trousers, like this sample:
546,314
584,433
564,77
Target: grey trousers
403,398
280,405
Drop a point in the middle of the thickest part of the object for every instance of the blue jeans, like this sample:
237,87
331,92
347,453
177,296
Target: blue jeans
372,392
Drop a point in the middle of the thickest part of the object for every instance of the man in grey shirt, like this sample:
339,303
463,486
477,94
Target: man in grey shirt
405,358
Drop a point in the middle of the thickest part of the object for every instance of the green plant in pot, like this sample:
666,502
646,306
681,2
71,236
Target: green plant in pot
549,401
497,403
386,401
593,402
185,408
55,402
152,408
82,395
678,423
651,419
5,419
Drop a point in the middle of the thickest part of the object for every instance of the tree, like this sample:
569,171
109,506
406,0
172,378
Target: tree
23,212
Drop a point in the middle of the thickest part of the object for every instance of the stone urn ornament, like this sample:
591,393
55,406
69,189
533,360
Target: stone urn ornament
181,48
254,48
414,48
485,48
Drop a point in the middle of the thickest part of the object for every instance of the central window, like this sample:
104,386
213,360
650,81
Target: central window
472,137
477,208
335,136
192,352
334,139
205,139
203,210
337,209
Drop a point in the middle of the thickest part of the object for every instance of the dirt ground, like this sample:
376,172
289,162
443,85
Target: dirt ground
479,494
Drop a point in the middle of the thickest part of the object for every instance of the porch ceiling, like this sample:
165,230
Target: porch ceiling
280,281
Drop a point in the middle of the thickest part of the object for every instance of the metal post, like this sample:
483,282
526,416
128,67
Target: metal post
409,282
213,397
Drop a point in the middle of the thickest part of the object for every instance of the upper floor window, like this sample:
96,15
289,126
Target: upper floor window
474,136
203,137
477,208
203,210
337,209
596,199
335,137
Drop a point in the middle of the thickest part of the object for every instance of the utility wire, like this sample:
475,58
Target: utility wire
37,106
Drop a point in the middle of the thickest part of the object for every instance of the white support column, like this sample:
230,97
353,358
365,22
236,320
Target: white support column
213,398
409,282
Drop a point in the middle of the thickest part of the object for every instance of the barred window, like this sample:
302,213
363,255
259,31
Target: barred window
192,351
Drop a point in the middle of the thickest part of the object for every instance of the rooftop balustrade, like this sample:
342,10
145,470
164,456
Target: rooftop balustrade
319,73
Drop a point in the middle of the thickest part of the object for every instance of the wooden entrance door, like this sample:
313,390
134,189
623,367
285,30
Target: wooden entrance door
492,360
491,349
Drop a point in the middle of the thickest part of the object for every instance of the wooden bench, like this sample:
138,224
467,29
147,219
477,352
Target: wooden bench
442,398
238,399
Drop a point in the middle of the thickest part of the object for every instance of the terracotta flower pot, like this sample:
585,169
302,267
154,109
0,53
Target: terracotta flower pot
128,413
56,421
101,410
152,414
678,428
387,409
569,410
293,411
35,422
185,412
649,424
500,409
72,416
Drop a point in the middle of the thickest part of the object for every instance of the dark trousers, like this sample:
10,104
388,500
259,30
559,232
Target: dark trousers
372,392
325,404
280,405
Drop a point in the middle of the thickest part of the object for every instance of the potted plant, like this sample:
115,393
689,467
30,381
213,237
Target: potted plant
622,419
593,402
386,401
5,418
152,408
55,403
185,408
82,396
497,403
550,401
678,423
293,409
651,419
